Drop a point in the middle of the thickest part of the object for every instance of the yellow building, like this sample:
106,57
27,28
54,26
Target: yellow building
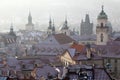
80,54
67,57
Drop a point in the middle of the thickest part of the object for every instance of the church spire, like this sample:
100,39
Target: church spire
11,28
50,20
66,23
29,25
53,25
102,7
66,19
29,18
50,23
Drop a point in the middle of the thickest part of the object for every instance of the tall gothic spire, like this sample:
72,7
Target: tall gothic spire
11,28
50,20
66,20
29,18
50,23
66,23
53,28
29,25
102,7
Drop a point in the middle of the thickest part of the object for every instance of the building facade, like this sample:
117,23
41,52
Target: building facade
102,30
86,27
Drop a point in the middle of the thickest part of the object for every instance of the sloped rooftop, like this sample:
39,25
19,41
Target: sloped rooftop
63,39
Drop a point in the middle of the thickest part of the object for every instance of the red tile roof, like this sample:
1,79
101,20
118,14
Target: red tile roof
78,47
63,39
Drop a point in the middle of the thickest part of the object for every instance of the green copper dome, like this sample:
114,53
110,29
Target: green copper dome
102,15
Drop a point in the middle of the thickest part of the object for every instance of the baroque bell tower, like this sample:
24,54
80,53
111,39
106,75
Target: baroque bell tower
102,30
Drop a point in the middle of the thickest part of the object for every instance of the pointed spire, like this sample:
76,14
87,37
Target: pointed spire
11,27
102,7
87,19
66,23
53,22
50,23
11,30
50,20
29,17
53,26
66,19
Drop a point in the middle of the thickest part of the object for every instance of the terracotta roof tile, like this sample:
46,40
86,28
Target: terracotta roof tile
63,39
78,47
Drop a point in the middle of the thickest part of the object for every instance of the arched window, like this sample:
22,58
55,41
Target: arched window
101,24
101,37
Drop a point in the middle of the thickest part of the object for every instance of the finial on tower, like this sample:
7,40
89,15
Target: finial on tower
11,27
102,7
50,19
66,19
29,18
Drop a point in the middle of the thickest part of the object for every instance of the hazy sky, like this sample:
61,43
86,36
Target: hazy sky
16,11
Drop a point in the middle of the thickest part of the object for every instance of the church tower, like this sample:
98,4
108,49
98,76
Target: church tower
29,25
86,28
12,31
65,29
102,30
51,27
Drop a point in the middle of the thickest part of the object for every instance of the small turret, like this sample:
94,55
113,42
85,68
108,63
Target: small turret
29,18
53,28
12,31
87,19
29,25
